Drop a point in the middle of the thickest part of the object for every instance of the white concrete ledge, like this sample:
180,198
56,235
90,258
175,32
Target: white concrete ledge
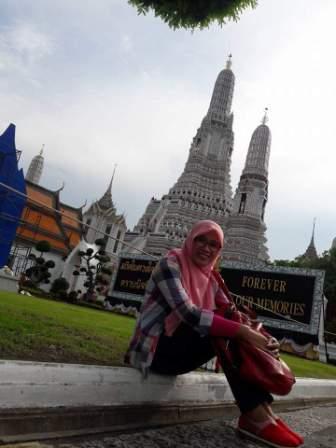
8,283
39,385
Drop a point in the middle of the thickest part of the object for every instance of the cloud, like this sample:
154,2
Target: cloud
126,43
22,46
145,128
100,85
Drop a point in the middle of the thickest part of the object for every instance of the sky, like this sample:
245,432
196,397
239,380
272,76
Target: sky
99,85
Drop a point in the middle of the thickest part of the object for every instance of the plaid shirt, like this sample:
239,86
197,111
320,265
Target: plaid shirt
164,294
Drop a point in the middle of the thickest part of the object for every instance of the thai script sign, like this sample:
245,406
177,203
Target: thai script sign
132,276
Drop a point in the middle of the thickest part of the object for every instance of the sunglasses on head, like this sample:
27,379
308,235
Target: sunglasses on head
203,241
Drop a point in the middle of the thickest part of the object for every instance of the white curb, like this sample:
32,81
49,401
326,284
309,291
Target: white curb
38,385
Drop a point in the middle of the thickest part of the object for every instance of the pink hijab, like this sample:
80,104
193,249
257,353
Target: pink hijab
195,280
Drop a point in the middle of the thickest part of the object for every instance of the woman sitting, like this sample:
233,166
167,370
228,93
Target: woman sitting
177,326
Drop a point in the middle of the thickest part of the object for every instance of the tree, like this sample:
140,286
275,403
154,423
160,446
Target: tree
103,279
193,14
39,272
327,263
95,273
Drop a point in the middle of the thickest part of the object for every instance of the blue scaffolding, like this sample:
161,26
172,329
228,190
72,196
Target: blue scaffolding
11,203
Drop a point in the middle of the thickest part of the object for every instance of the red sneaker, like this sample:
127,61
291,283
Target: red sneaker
288,429
272,434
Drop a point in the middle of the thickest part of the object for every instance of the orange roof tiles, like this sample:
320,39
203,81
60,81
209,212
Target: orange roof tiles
40,196
71,217
40,223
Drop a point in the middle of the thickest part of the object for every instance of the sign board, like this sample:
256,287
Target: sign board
284,298
289,298
131,277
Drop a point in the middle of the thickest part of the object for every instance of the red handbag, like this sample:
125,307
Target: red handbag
254,365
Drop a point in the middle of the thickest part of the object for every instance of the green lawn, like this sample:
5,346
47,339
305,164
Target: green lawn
45,330
309,369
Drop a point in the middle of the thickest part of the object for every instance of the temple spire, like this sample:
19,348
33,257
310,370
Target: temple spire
258,153
246,229
229,62
105,201
109,188
221,100
311,252
313,233
35,168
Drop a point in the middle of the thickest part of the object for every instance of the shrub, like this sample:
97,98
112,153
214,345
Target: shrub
73,296
50,264
39,272
43,246
59,284
62,294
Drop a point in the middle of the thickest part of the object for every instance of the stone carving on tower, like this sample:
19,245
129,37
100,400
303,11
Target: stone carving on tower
245,239
35,168
203,191
102,220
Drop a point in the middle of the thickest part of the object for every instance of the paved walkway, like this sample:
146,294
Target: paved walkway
317,424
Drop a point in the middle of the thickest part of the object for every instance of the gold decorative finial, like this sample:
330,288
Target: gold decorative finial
229,62
265,117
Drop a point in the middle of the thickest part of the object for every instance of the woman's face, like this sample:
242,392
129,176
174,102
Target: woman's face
205,248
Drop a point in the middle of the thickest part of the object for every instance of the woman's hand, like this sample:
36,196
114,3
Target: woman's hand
273,346
246,334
